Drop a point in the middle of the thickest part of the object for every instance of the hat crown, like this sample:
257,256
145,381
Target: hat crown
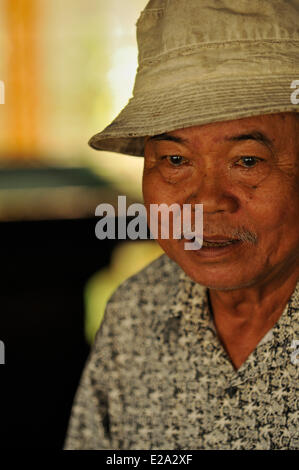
168,25
204,61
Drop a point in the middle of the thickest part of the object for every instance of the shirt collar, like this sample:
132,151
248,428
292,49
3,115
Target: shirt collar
189,290
190,308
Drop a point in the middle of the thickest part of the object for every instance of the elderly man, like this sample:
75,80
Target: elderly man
198,350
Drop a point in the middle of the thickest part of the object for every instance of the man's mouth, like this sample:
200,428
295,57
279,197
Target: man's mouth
214,246
216,241
211,243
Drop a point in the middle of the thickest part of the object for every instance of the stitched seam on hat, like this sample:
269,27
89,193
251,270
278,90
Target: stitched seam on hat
134,134
208,82
193,47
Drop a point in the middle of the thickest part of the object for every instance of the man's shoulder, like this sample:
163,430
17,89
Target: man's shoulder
152,282
137,299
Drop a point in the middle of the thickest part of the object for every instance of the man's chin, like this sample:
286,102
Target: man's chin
226,277
221,285
222,280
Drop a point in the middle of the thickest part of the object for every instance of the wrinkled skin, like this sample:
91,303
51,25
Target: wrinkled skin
250,286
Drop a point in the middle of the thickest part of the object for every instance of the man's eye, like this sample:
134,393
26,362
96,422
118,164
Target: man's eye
249,162
175,160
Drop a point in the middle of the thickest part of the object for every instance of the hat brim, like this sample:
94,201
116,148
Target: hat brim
194,103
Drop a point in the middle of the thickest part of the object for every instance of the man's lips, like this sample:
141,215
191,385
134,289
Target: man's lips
217,238
213,238
214,241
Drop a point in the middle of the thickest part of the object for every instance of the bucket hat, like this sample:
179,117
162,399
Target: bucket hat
204,61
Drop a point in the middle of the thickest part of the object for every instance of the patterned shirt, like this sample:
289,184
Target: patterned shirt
158,376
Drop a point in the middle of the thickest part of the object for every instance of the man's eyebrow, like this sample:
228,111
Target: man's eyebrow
169,137
253,135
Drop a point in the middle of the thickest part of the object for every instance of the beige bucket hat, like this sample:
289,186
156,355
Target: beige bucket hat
203,61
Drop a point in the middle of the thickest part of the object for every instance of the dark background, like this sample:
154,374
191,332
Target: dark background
44,267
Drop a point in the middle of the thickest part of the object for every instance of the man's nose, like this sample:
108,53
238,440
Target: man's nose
215,192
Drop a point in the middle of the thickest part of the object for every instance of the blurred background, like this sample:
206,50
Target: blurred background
67,67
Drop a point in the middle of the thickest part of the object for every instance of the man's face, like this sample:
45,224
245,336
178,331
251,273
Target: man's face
246,175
